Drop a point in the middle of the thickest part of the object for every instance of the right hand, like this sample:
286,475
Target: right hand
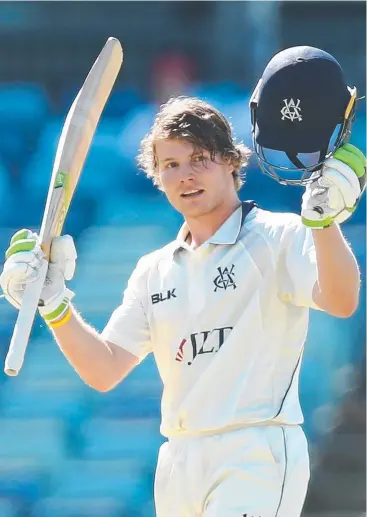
23,261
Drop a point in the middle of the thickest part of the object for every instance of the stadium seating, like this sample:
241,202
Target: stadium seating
8,508
41,440
115,479
122,438
64,399
21,479
24,109
92,507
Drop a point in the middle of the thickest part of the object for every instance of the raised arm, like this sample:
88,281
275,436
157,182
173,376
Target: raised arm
100,361
326,202
337,288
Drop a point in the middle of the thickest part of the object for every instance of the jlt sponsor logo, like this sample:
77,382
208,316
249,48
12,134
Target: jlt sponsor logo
197,344
161,297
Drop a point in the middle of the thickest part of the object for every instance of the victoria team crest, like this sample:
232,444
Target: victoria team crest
225,279
291,110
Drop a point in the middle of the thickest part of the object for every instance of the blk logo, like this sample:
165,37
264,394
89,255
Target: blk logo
225,279
197,344
291,110
161,297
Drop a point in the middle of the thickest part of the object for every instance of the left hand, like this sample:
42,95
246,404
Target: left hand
334,196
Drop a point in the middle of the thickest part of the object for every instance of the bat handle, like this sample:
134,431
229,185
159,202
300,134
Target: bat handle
23,326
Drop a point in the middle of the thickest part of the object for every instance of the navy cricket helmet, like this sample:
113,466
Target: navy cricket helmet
301,106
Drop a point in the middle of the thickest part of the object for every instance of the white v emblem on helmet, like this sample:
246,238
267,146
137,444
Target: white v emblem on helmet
291,110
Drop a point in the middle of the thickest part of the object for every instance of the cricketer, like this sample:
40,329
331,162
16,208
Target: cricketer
224,308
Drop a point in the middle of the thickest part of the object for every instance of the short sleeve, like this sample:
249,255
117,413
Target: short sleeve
297,268
128,325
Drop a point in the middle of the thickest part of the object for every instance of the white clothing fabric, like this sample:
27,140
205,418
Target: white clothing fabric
226,322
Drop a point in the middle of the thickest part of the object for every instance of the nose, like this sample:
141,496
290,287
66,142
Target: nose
187,173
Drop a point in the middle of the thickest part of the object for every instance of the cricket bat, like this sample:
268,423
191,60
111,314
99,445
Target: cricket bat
73,146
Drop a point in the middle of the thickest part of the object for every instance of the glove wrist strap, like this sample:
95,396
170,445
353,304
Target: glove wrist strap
57,308
63,320
318,225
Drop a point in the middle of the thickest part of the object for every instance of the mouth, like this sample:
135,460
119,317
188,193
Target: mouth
192,193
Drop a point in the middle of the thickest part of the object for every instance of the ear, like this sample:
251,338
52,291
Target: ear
230,167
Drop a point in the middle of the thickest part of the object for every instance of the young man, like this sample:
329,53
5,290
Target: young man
224,308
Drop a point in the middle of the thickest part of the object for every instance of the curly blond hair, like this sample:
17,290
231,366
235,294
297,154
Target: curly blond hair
199,123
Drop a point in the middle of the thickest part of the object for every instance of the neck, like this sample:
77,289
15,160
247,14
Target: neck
203,227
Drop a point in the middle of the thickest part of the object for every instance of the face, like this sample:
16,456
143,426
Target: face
192,182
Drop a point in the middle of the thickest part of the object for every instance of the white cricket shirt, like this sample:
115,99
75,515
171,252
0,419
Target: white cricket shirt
226,322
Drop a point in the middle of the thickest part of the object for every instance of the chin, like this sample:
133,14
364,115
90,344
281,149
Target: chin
195,211
195,207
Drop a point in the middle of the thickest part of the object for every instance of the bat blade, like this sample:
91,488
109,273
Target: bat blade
73,146
76,138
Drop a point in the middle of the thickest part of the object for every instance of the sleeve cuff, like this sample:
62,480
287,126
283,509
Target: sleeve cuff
114,337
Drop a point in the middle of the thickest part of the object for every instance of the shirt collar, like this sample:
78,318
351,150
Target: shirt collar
227,234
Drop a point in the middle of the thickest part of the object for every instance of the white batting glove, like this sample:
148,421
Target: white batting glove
334,196
22,265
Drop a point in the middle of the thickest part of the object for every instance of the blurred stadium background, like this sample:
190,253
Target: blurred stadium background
66,451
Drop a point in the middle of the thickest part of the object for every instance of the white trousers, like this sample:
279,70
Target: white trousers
252,472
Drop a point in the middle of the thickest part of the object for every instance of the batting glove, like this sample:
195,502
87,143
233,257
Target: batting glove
334,195
23,262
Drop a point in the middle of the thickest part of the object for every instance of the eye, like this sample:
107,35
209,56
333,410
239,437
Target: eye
171,165
199,158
